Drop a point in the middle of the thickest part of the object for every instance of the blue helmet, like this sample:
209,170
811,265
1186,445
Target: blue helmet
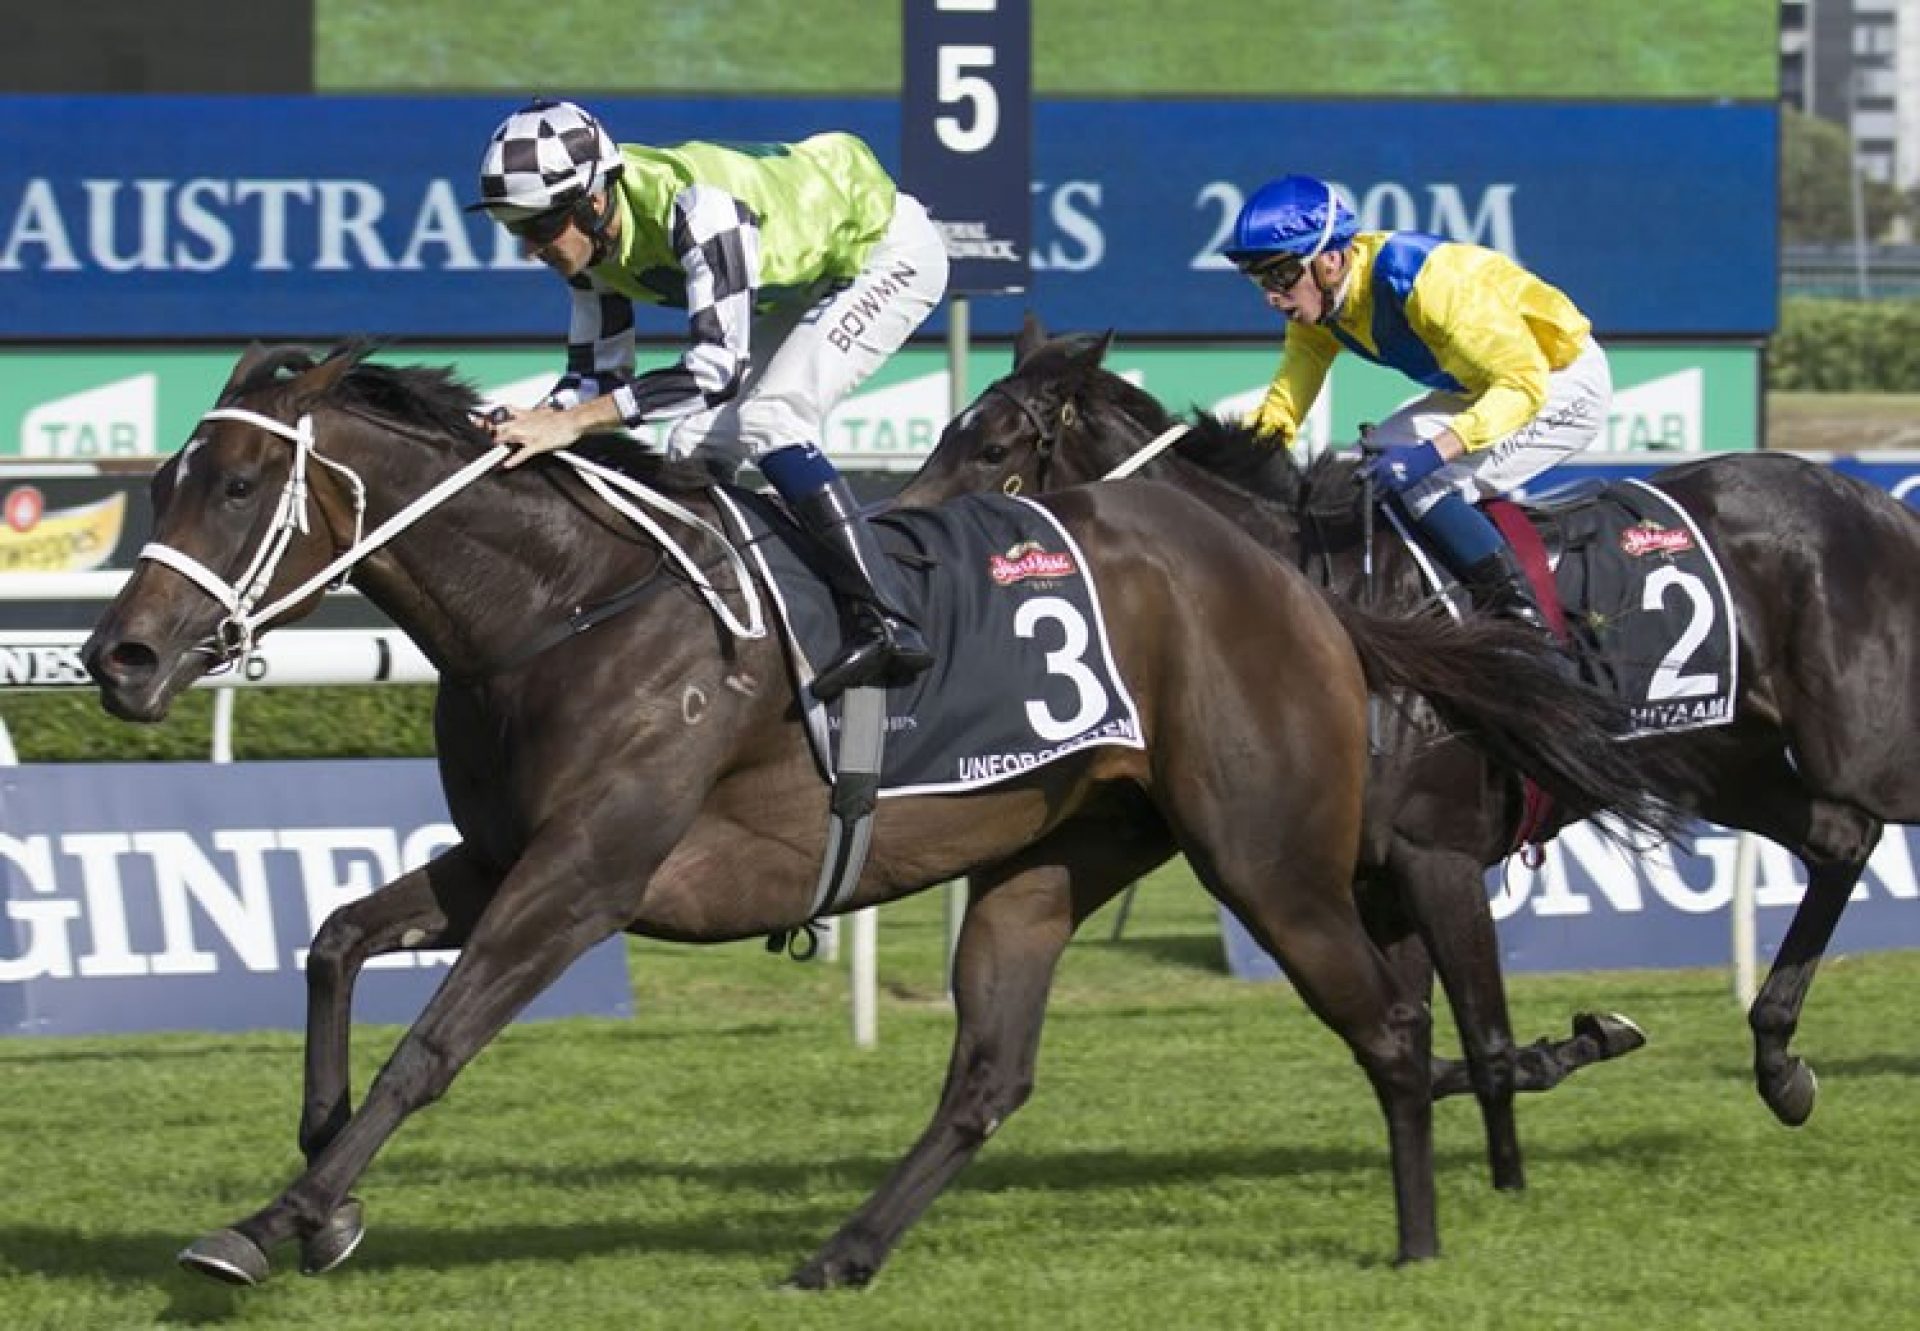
1296,215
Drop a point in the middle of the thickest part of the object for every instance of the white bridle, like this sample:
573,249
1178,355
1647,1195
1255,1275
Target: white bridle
233,636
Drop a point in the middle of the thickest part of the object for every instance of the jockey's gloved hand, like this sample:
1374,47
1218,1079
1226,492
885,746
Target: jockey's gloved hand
1399,466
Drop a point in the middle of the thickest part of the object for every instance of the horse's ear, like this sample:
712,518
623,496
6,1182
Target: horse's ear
1089,358
256,355
1033,335
315,383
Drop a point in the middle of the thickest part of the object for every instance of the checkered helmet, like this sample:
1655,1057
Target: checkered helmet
544,156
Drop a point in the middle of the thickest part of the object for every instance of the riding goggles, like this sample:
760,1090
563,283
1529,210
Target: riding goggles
1276,272
541,228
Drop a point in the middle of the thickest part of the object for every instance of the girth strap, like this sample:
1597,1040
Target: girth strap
856,780
856,789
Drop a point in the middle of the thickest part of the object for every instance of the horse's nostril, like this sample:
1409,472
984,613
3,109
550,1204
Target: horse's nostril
126,662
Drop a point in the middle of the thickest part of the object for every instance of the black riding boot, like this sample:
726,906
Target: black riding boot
1500,586
883,646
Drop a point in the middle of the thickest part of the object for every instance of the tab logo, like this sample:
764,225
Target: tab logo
1665,415
115,420
890,428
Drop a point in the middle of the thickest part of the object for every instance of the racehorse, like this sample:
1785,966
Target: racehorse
652,775
1815,757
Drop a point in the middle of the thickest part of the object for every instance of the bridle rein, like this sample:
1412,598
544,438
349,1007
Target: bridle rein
232,640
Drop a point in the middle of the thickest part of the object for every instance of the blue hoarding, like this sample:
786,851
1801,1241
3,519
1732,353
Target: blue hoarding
1897,473
189,217
1593,906
152,897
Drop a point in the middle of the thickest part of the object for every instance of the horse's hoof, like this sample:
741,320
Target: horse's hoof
1614,1033
833,1273
334,1241
1791,1095
226,1255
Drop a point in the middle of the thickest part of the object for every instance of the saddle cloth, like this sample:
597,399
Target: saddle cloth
1023,672
1647,608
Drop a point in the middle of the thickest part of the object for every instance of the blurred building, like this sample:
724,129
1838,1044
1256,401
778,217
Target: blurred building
1856,63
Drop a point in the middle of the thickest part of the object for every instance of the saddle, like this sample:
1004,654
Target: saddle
1627,579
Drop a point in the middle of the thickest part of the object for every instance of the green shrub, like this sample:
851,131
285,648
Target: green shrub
1846,346
65,727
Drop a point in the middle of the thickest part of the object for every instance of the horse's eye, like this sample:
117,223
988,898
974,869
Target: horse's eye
240,487
995,454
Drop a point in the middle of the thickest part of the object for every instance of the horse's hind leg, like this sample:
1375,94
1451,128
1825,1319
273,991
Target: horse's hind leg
1833,838
1021,916
1275,836
1307,920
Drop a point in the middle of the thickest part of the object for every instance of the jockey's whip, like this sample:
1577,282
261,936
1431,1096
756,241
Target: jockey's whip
1368,451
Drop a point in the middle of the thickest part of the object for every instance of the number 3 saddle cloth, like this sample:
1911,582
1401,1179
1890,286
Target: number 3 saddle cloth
1023,673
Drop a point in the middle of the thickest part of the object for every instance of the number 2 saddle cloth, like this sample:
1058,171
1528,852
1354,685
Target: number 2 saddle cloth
1023,673
1647,610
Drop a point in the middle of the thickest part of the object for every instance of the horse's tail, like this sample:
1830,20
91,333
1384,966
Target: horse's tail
1491,679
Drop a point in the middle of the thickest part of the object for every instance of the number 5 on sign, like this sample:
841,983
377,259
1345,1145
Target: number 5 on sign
965,134
960,86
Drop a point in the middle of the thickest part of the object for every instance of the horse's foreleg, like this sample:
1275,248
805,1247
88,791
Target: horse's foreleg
1785,1082
1017,925
434,906
537,925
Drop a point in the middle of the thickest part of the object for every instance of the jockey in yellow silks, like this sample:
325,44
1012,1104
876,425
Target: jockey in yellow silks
1515,381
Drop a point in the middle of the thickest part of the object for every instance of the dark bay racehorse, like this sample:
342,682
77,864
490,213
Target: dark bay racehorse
652,775
1816,759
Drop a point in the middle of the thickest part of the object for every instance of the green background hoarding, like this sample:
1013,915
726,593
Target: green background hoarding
1618,49
90,404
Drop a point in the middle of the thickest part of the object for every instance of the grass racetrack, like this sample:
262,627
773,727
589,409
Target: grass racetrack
1843,422
1199,1152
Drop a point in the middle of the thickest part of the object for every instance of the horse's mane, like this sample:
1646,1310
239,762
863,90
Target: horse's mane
1230,450
435,399
416,396
1226,449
